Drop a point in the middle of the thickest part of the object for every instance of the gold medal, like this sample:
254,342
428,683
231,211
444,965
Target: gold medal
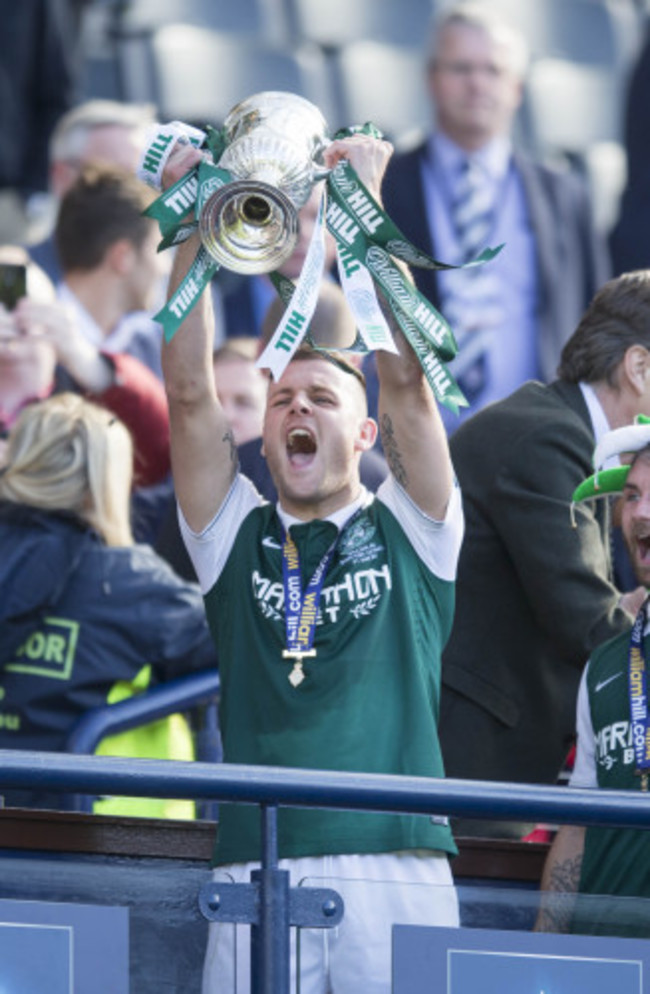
297,674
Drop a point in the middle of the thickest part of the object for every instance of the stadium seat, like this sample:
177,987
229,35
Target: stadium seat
574,111
385,84
197,75
335,23
261,19
570,105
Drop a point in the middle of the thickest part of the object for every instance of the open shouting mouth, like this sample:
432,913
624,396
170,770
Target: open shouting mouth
301,446
643,548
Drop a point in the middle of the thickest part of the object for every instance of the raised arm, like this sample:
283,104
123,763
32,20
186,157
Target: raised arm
204,456
412,433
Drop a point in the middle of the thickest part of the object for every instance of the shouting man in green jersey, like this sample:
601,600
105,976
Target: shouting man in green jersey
613,722
329,611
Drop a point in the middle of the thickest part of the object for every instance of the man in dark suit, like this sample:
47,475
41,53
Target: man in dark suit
534,588
466,187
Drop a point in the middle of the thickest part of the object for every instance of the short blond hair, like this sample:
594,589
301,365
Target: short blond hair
68,454
481,17
70,135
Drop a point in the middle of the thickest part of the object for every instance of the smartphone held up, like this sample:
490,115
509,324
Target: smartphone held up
13,284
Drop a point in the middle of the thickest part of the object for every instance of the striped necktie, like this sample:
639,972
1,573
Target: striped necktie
472,210
472,300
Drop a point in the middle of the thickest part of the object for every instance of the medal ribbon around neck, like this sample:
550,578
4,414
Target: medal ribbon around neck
301,605
367,242
638,694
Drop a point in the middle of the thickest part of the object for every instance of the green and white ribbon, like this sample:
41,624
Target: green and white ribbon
367,242
186,296
362,229
159,144
300,305
444,386
359,208
360,293
363,265
191,193
172,206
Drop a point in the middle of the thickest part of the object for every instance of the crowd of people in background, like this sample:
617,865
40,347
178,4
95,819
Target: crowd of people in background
100,441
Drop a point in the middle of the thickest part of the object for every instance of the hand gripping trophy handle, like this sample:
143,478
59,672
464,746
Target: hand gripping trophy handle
274,146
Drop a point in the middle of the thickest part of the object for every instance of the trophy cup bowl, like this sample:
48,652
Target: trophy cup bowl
274,147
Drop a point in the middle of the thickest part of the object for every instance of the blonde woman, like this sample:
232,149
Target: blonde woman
85,615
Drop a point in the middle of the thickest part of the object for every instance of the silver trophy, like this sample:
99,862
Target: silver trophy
274,147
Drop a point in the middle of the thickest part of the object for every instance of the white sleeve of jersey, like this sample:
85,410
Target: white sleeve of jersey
584,769
437,543
210,548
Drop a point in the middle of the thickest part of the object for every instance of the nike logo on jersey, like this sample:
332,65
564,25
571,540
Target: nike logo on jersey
270,543
603,683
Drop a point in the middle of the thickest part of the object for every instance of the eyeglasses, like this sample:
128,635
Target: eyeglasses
463,70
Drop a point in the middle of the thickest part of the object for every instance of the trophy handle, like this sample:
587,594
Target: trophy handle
320,172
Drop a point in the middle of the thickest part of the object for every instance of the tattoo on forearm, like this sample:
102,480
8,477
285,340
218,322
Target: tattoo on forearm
558,902
392,452
234,456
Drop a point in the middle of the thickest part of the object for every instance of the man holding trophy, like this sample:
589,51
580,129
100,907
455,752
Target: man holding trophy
329,611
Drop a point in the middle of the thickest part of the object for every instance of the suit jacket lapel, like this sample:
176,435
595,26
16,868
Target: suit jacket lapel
417,216
572,396
542,223
406,192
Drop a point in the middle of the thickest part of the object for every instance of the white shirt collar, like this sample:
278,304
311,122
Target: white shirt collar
599,421
338,518
85,321
494,157
118,338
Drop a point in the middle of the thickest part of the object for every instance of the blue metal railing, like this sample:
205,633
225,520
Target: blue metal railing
273,910
321,788
183,694
198,692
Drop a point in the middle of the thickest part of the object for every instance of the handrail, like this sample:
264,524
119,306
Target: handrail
167,698
271,787
321,789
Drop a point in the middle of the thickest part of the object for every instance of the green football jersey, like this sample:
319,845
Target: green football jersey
616,861
369,700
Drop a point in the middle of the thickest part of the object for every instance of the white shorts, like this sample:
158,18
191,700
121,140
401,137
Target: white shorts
407,888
